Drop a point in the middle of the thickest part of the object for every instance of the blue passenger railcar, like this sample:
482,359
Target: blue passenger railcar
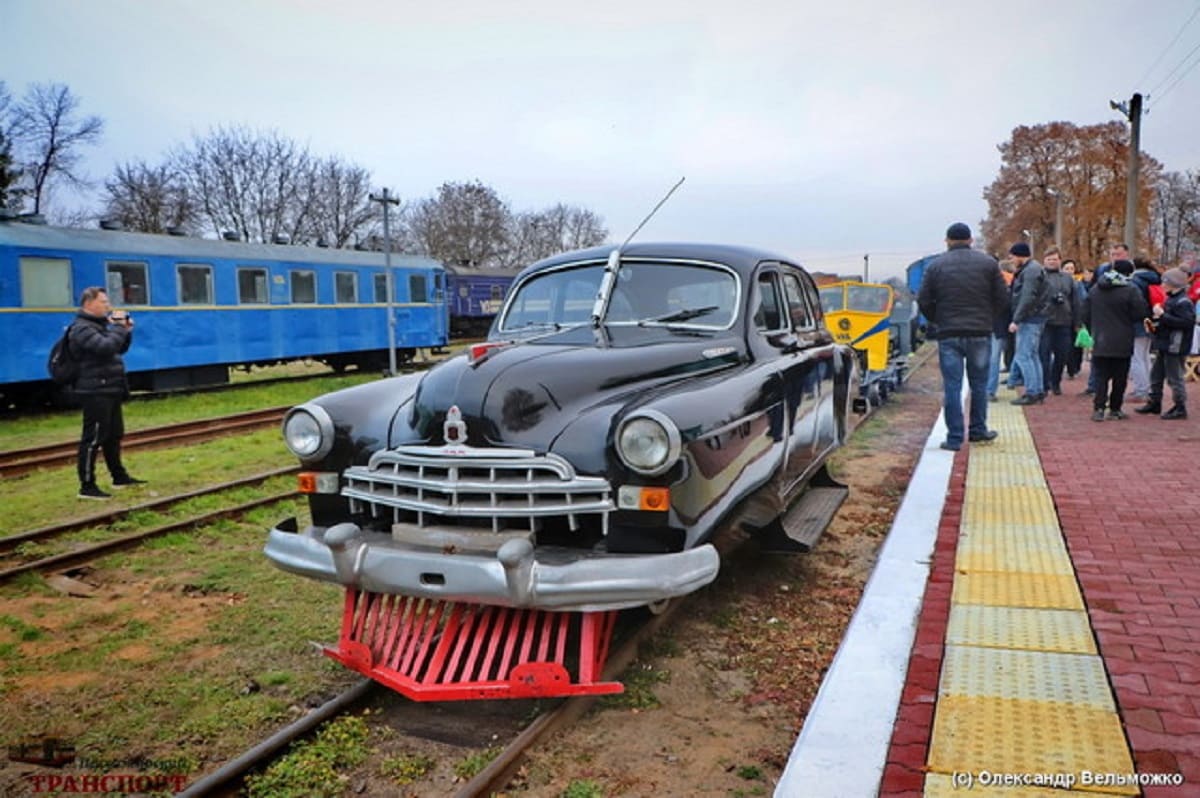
474,297
203,306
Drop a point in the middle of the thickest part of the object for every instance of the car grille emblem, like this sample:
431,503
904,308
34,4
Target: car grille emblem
455,429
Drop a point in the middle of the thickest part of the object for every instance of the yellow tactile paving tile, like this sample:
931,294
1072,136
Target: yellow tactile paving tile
1011,589
1064,631
1039,553
1001,735
1080,679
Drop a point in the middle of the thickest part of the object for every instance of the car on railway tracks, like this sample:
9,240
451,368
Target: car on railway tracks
627,405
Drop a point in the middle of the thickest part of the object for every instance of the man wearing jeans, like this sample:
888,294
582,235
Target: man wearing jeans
1029,303
961,295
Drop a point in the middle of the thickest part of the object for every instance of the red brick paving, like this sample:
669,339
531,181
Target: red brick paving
1128,499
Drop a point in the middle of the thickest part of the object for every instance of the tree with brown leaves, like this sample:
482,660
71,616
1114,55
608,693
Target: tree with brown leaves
1081,166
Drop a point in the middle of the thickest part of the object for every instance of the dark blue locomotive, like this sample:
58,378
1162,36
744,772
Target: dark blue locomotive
474,297
203,306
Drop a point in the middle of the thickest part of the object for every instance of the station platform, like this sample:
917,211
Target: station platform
1032,626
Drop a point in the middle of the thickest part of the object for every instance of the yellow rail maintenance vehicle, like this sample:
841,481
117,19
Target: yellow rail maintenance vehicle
863,315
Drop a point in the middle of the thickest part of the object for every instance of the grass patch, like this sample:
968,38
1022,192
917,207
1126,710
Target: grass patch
582,788
23,630
316,768
471,766
406,768
639,680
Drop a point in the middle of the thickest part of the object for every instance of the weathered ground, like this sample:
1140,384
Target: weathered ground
192,649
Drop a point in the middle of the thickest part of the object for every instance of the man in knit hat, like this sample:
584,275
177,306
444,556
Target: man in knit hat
1172,325
961,294
1030,302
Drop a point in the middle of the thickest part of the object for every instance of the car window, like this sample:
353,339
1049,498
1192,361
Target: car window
797,309
769,315
645,293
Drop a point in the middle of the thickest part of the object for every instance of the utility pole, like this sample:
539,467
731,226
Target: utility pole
1132,112
867,268
1058,218
386,199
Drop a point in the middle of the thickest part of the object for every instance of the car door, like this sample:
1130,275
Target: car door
810,378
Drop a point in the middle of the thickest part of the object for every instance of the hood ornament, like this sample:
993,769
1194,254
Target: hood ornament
455,429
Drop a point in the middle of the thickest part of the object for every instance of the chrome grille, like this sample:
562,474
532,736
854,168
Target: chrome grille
500,489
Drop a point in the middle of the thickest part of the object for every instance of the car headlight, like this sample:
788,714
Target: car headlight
648,442
308,431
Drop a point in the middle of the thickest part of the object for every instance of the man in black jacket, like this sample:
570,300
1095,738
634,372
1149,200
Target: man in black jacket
961,294
1110,311
97,339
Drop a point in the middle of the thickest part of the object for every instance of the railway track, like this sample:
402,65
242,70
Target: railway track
20,461
10,545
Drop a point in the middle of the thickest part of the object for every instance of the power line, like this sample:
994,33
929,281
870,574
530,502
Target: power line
1163,53
1176,69
1175,83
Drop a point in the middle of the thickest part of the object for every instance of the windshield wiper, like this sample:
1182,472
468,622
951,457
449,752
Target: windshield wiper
679,315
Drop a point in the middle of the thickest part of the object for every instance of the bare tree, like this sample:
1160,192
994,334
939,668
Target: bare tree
1176,216
150,199
259,185
559,228
49,132
341,207
9,173
464,224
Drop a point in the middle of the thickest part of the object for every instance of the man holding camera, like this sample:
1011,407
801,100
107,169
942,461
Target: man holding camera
98,337
1062,320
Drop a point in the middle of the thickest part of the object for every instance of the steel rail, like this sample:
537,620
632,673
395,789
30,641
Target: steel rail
20,461
42,533
107,547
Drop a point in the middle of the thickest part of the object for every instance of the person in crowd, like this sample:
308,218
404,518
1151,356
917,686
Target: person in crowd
1145,278
1062,320
961,295
1109,312
97,339
1172,321
1001,338
1007,339
1030,300
1075,358
1116,251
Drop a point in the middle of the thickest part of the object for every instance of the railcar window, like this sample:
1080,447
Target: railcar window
252,286
304,288
832,299
497,292
127,282
797,310
416,288
46,283
381,288
868,298
769,315
439,286
195,284
346,287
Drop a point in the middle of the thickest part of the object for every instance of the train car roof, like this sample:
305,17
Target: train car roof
125,243
482,271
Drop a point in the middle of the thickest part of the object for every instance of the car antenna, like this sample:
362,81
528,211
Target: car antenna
614,260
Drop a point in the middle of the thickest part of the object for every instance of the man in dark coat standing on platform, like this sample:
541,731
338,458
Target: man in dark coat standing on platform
97,339
961,295
1110,311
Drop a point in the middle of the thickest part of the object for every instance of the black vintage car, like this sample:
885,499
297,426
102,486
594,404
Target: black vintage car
626,406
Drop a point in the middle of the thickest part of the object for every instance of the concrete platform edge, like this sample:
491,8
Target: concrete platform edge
843,746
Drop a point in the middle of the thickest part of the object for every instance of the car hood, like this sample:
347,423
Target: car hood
524,395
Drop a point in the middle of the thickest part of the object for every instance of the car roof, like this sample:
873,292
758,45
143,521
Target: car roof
740,258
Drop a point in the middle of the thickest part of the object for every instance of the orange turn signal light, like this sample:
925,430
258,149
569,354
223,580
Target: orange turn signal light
657,499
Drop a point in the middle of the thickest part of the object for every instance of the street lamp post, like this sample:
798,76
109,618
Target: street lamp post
386,199
1058,217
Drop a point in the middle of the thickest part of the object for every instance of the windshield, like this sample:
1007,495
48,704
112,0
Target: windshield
869,298
646,292
831,298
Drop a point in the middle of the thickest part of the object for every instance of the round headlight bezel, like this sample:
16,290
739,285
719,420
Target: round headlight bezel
672,442
323,428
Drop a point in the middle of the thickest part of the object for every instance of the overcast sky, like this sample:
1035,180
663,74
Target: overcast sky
821,130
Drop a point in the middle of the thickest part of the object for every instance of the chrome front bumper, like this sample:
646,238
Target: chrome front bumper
516,575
